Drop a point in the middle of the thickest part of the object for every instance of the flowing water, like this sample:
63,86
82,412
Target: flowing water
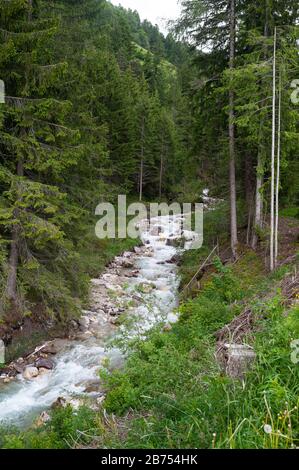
79,361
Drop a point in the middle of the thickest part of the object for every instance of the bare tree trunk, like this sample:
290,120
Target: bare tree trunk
11,289
232,162
272,222
278,173
259,202
249,195
141,160
11,286
161,171
258,219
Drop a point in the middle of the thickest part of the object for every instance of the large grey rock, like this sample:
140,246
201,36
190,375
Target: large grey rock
44,363
54,347
84,323
30,372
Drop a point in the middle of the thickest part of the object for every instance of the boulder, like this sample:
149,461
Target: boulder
43,363
84,323
30,372
54,347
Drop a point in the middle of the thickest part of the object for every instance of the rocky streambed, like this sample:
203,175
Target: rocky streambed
137,290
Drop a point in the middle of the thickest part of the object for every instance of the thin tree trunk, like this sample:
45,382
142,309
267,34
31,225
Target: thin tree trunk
249,195
272,222
161,171
141,161
232,162
11,287
278,173
258,219
259,202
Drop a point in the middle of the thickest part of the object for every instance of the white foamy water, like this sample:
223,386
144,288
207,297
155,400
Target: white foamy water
79,363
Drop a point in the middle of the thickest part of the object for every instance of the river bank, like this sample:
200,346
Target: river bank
139,286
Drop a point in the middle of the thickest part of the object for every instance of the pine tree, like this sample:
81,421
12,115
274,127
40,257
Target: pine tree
36,147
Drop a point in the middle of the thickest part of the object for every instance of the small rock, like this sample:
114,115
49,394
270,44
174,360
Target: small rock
92,387
113,312
127,264
156,230
84,322
59,403
30,372
146,288
175,242
167,327
84,336
100,400
176,259
42,419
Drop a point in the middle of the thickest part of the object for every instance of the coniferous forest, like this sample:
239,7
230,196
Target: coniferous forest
96,103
